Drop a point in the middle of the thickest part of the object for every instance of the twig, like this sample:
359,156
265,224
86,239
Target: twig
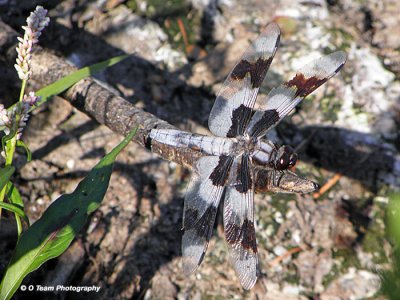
184,35
290,252
328,185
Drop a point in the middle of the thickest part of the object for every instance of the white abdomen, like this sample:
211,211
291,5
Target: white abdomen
211,145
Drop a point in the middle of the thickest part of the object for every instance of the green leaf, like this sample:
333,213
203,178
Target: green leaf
393,218
15,209
22,144
14,196
66,82
5,174
390,278
54,231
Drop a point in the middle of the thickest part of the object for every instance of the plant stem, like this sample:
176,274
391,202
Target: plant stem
22,93
2,193
10,144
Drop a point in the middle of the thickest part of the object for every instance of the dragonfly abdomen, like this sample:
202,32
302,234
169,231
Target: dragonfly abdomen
211,145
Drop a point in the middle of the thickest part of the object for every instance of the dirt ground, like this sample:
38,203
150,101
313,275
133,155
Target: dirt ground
328,247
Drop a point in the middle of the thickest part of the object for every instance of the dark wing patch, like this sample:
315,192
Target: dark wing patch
249,238
281,100
304,86
200,223
244,235
201,202
239,91
268,119
239,222
256,70
220,174
244,181
240,116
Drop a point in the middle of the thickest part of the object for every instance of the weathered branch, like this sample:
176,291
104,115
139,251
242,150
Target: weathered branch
92,99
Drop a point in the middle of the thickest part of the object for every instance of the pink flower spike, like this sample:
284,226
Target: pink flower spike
36,22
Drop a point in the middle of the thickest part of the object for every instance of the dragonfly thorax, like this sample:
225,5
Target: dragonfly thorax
245,145
265,153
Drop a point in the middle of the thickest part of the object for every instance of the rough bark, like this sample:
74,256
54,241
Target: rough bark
93,99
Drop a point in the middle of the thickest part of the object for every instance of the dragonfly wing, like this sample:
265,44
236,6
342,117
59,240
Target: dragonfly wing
201,203
239,222
281,100
235,101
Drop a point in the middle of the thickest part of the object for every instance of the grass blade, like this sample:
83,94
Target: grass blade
22,144
15,209
66,82
14,196
5,174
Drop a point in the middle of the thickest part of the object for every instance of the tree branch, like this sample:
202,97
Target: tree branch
94,100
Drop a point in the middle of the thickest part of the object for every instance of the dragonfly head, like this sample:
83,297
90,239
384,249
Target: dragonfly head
285,158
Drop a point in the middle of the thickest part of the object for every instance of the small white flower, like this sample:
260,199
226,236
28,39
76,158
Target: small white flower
4,118
27,102
36,22
8,117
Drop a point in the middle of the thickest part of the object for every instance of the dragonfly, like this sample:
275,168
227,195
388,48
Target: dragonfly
225,170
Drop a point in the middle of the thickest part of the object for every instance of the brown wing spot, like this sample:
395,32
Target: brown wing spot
232,233
305,85
244,235
249,237
220,174
257,70
240,70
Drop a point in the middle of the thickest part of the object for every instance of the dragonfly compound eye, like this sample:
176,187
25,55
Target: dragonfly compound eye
292,160
283,162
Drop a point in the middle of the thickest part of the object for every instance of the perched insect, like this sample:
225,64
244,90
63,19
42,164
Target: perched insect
230,157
